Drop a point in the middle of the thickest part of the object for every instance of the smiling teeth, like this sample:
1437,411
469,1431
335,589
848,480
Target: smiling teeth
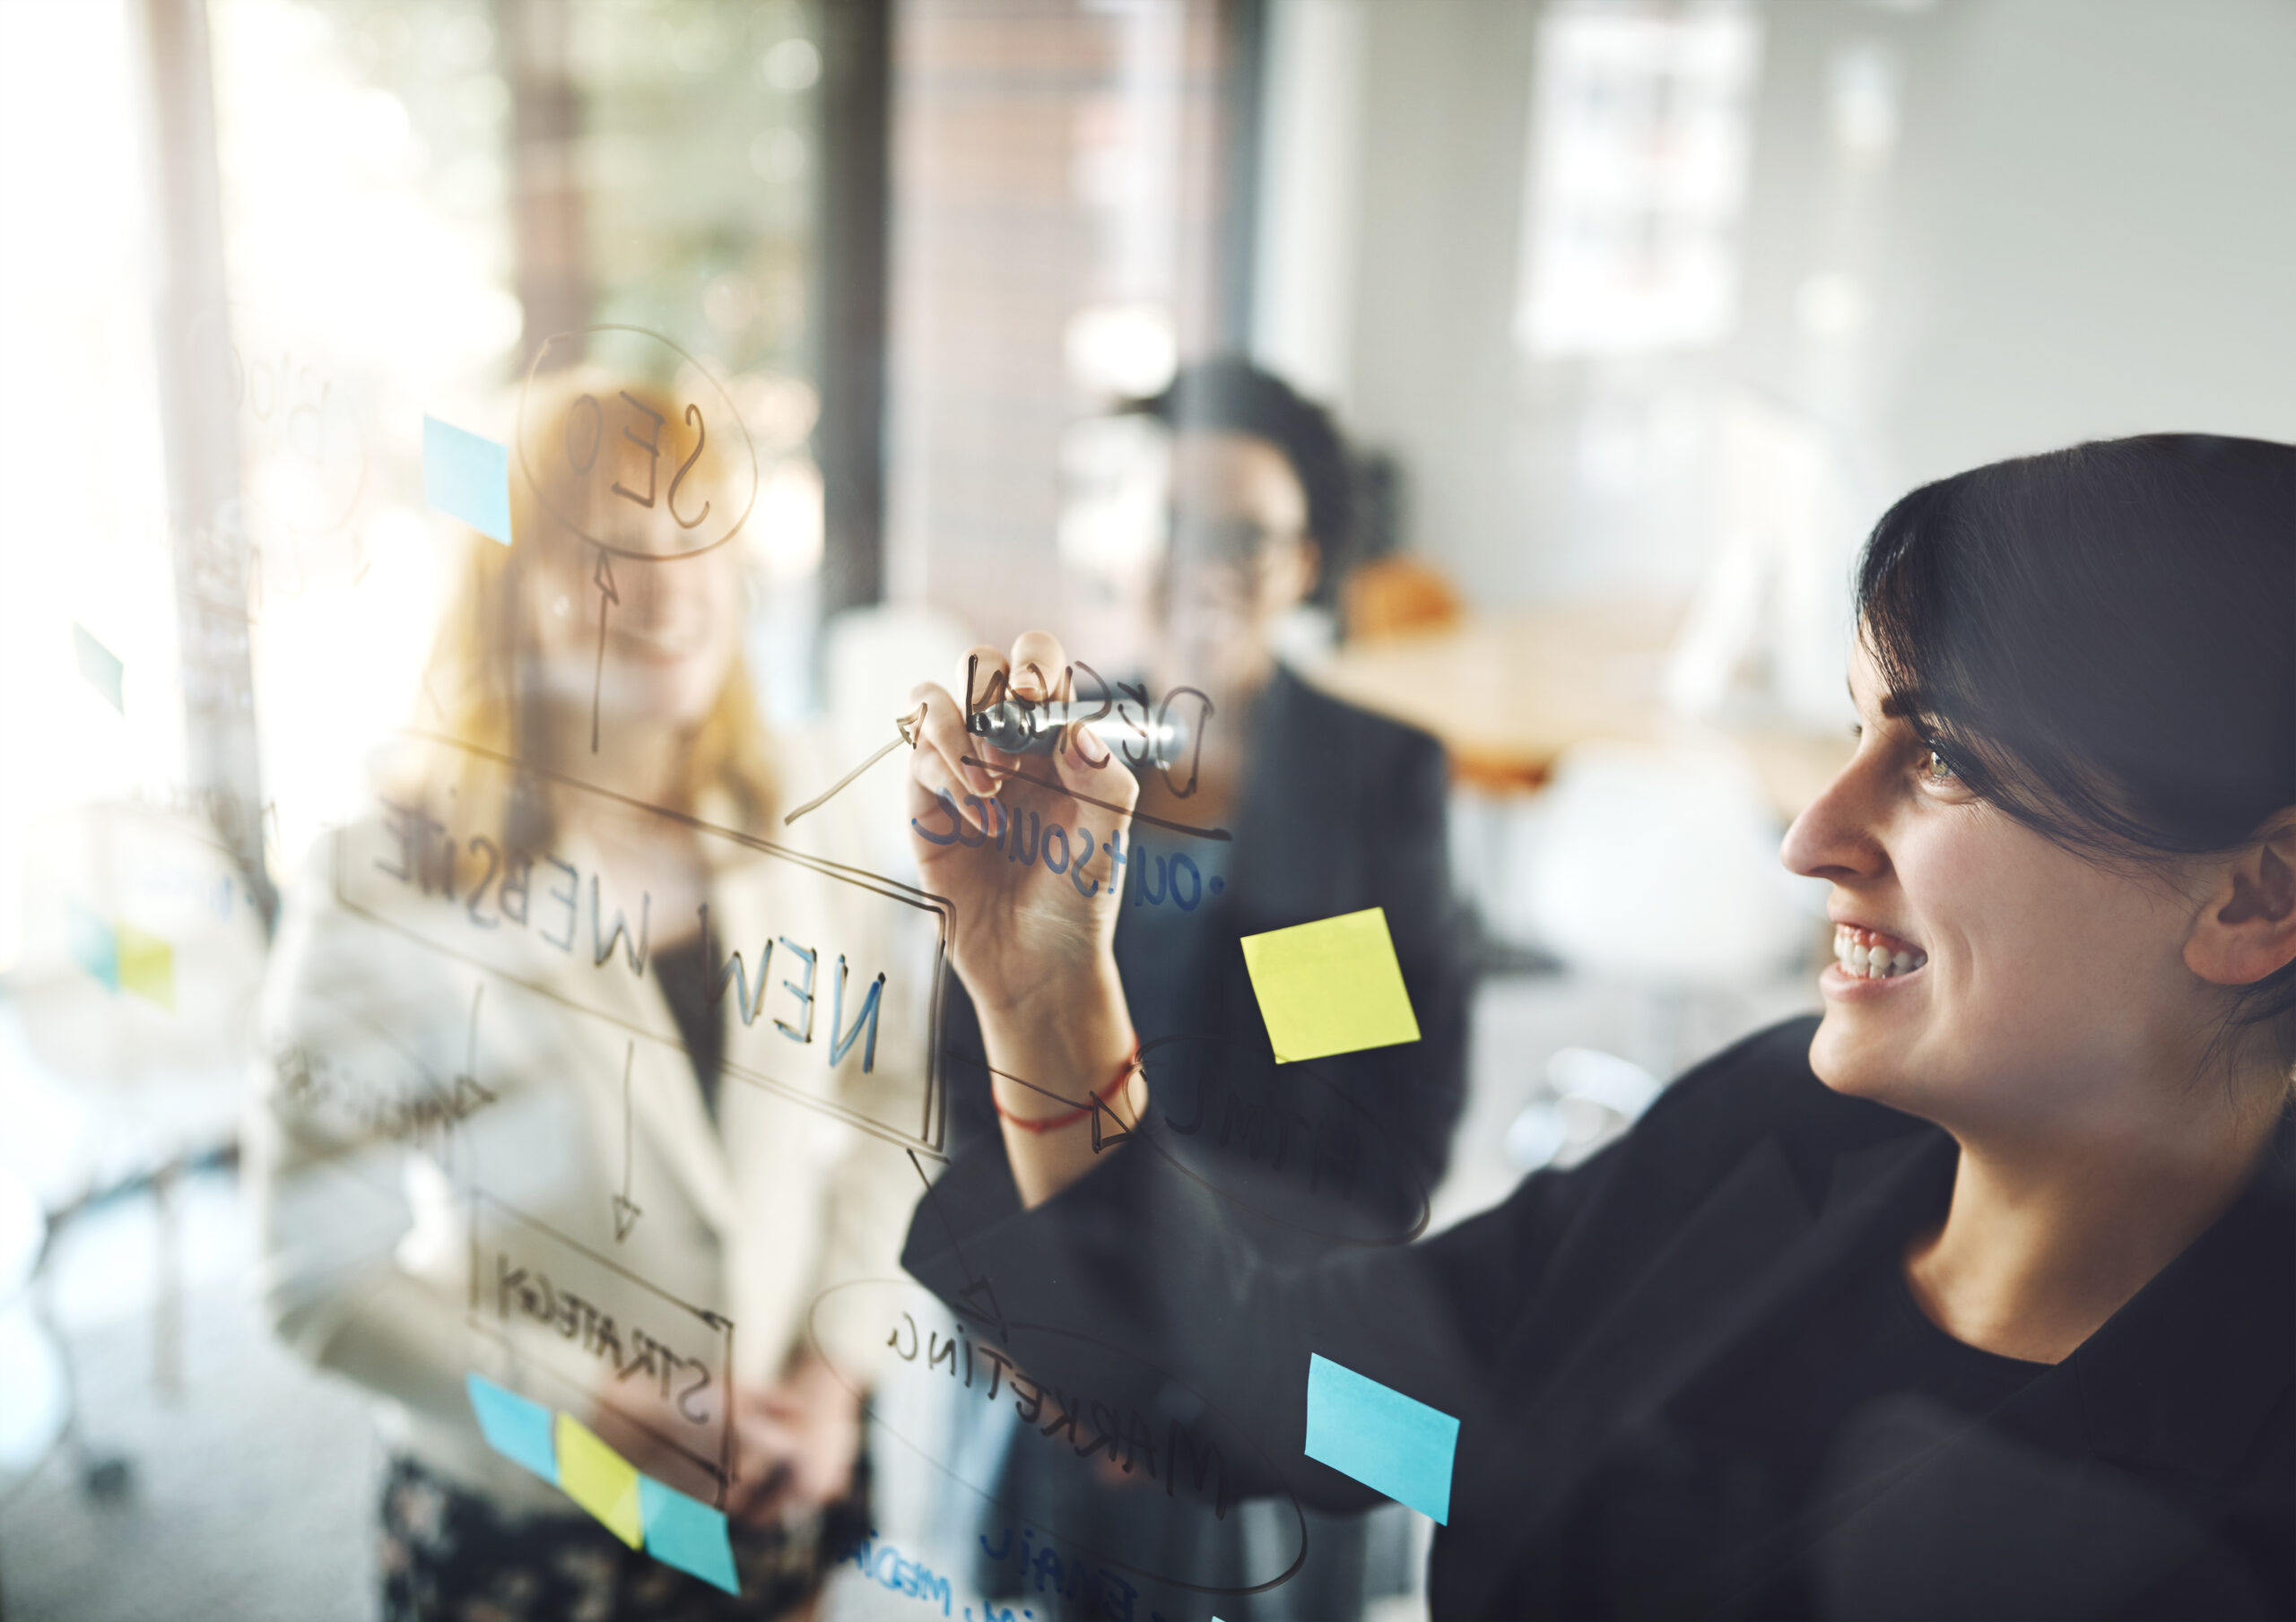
1861,953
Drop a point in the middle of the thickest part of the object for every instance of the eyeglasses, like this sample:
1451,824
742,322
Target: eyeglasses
1241,541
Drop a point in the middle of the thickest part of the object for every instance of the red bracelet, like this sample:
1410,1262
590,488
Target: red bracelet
1048,1123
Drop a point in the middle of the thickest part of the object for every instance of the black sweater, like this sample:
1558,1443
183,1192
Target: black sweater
1342,810
1570,1329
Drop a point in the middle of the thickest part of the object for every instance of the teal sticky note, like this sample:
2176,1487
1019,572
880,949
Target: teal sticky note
686,1533
517,1429
468,476
95,944
1390,1442
99,667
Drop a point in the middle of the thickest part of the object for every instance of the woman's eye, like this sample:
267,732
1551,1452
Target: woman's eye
1936,765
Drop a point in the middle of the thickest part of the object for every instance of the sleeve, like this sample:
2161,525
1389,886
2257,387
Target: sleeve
1131,1284
361,1128
333,1179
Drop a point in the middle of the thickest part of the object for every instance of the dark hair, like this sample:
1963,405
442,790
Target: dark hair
1229,395
2102,642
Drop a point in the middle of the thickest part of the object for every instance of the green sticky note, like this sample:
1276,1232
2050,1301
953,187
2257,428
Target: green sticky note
1332,986
147,966
599,1479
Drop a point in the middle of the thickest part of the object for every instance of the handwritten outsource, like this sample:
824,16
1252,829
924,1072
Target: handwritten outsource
1026,838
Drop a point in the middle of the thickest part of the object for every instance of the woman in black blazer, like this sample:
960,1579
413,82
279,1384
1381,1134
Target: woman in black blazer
1331,809
1976,1297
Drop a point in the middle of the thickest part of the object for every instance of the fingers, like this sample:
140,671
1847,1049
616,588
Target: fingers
950,760
1040,668
937,763
981,679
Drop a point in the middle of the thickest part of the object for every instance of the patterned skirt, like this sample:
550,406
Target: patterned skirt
450,1554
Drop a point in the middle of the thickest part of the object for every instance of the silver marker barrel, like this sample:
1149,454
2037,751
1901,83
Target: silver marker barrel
1137,737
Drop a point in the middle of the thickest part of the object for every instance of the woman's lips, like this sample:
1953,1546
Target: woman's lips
1869,963
656,647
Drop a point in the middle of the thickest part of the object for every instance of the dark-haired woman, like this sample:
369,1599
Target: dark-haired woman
1332,808
1976,1297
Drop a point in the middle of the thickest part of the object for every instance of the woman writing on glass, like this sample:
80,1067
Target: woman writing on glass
1970,1296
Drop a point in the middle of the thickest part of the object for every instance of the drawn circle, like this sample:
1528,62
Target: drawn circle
635,554
210,343
812,1334
1376,1131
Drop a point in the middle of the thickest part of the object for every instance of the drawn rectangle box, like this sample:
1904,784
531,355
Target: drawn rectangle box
553,1304
754,1053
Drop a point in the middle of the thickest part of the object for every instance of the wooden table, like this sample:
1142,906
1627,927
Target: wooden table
1509,692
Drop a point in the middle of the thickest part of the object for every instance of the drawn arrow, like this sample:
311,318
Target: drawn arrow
977,1289
980,1297
910,726
1108,1140
602,577
625,1213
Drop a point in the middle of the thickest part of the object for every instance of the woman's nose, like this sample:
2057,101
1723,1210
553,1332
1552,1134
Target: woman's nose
1835,837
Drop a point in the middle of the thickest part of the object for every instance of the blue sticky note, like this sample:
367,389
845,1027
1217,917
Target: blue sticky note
686,1533
1394,1443
517,1429
99,666
468,476
95,944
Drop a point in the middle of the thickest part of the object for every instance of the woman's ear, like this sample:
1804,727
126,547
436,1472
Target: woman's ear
2248,929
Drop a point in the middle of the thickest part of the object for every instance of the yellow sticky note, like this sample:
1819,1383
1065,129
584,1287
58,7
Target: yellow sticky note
147,966
599,1479
1330,987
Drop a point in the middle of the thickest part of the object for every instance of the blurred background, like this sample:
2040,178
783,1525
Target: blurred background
1634,315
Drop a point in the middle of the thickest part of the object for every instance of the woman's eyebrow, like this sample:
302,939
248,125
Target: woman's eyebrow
1894,708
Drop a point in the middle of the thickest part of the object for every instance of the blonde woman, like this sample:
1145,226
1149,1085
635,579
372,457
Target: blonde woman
511,1122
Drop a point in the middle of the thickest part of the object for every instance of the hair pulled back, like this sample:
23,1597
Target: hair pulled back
2102,640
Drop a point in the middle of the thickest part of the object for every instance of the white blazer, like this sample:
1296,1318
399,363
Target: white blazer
549,1203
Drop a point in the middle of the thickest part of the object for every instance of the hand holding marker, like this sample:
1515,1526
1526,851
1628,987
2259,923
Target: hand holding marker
1020,727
